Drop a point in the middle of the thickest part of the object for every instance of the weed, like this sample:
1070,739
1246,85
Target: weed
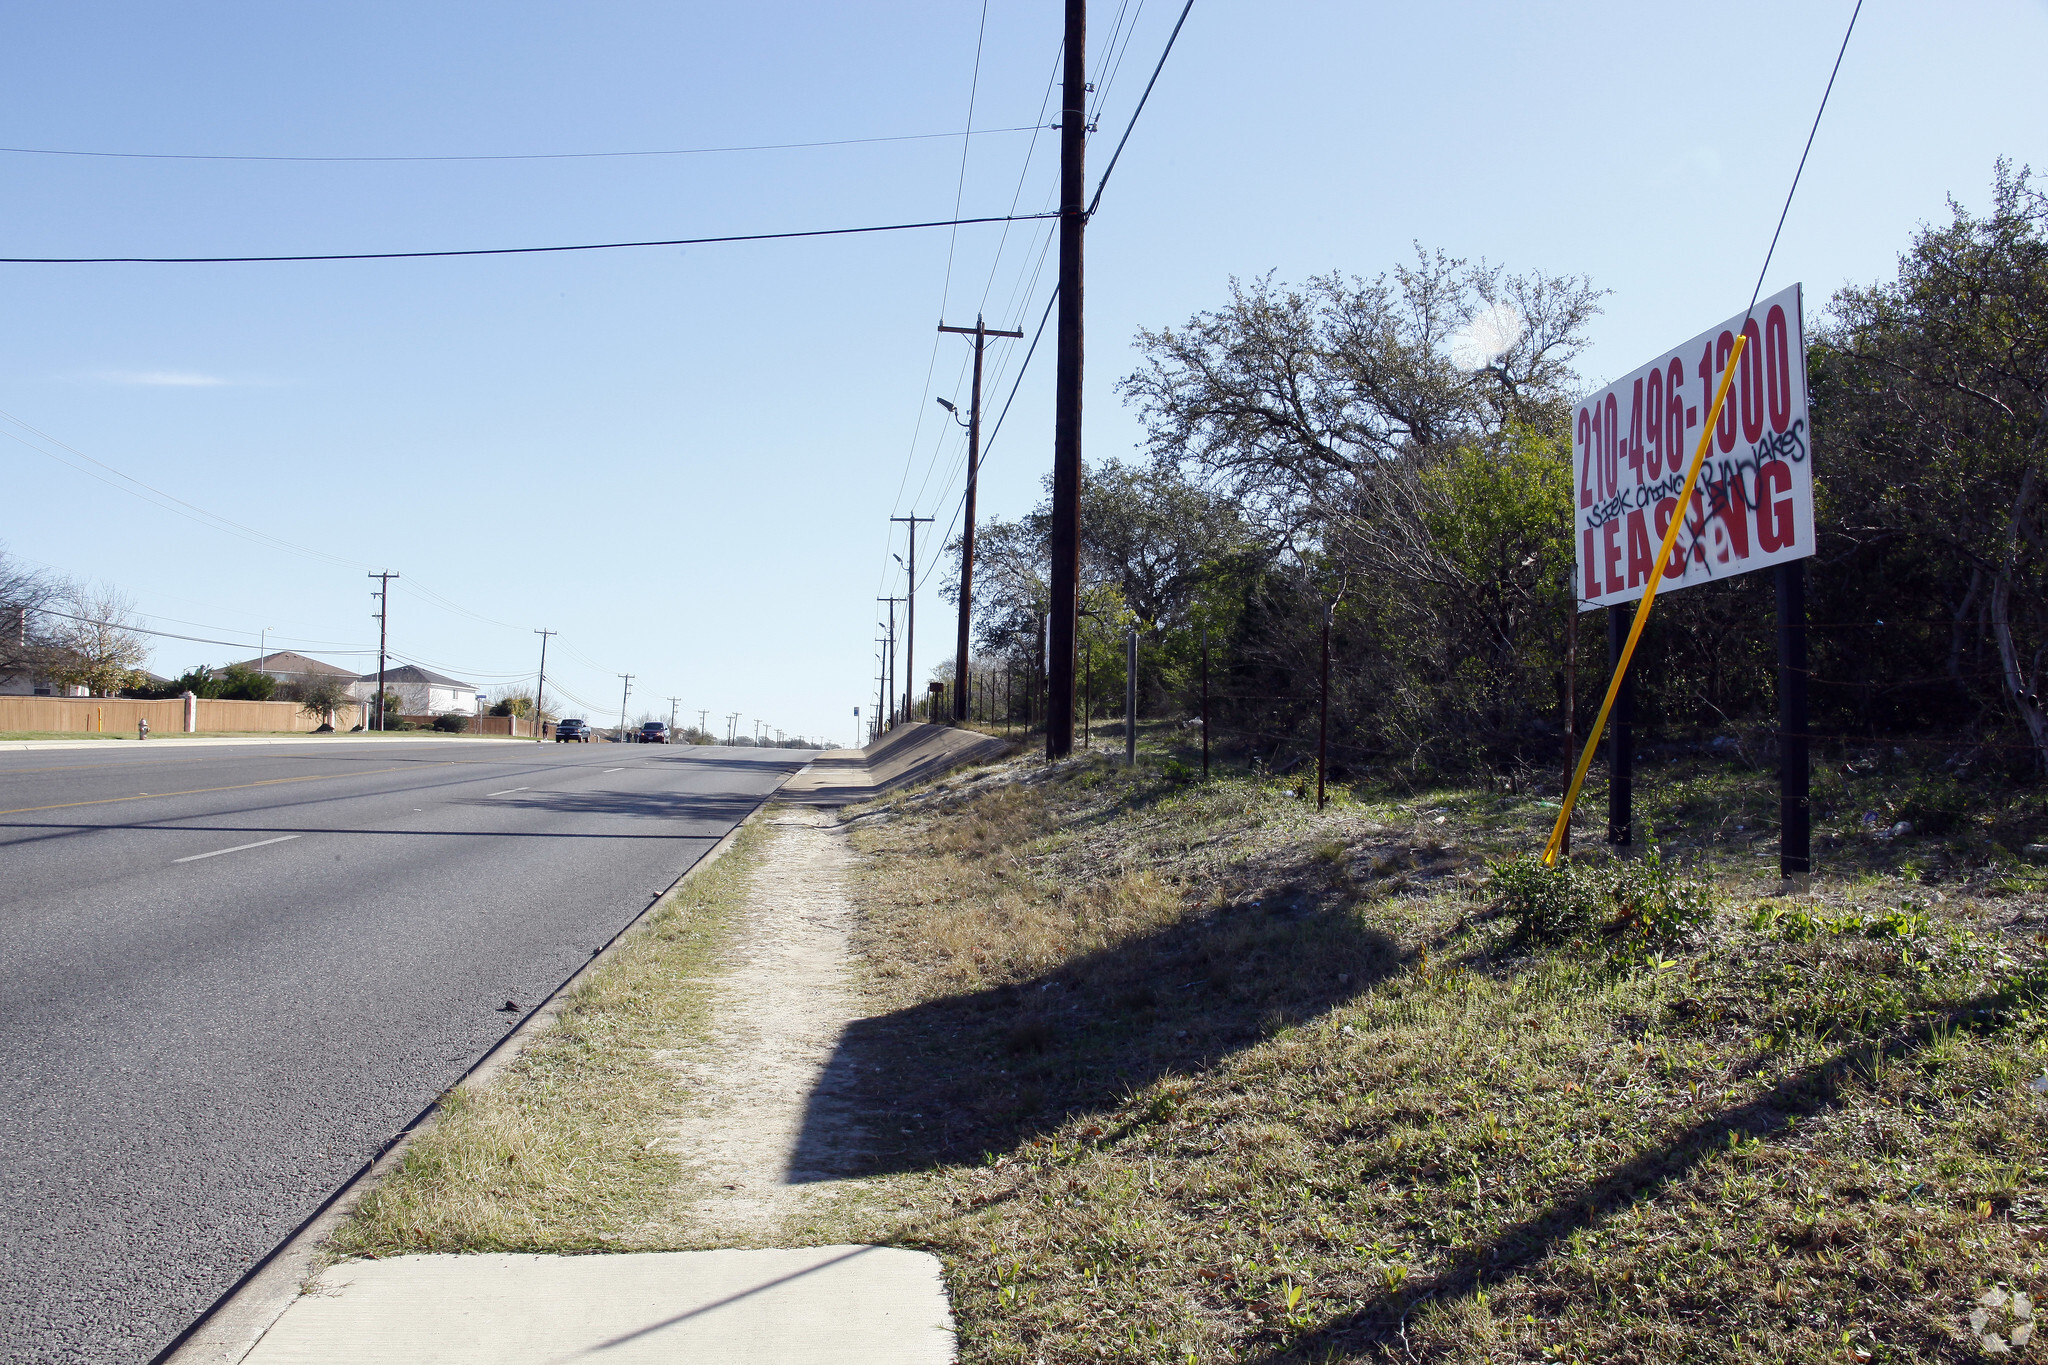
1644,901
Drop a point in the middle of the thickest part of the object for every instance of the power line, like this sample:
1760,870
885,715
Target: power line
169,635
516,156
1093,203
1103,183
515,250
1810,133
967,142
149,493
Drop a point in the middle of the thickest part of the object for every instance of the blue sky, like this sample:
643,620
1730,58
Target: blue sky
684,459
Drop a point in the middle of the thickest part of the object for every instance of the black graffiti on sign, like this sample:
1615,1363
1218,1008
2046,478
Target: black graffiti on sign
1788,445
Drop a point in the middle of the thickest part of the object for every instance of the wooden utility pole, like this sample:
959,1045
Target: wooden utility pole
981,333
1066,438
889,663
383,596
539,727
1205,703
909,678
625,691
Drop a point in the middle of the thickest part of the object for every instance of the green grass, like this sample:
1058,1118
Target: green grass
564,1151
1250,1082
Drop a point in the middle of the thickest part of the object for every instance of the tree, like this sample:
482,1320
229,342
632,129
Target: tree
239,682
1308,405
515,700
1391,475
28,640
322,696
96,645
1931,398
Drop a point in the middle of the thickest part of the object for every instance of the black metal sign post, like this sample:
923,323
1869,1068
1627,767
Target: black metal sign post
1621,819
1795,810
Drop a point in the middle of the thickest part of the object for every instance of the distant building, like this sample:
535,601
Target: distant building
25,683
422,692
287,667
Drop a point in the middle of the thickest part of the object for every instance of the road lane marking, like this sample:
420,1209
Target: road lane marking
238,848
615,770
201,791
508,791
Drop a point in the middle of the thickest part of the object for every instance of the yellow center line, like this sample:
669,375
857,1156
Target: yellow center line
199,791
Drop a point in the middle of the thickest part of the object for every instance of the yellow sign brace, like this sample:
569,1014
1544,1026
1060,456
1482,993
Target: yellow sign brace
1635,631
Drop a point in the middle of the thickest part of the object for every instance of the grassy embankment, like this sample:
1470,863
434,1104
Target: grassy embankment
1177,1071
1256,1083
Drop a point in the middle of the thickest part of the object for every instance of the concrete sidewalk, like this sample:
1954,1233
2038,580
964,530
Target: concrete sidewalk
163,740
848,1305
909,753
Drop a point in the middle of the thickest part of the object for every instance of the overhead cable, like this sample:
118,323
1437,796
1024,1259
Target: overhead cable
170,635
515,156
1801,170
1103,183
517,250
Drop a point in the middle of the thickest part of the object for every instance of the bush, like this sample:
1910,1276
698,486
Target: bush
451,723
1643,900
1934,805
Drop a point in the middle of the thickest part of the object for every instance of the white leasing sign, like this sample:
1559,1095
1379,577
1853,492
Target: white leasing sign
1632,441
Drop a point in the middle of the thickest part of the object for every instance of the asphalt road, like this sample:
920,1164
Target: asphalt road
229,975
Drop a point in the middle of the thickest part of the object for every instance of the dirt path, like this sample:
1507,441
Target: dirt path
771,1123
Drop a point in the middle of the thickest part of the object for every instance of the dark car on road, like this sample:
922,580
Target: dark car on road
567,731
654,732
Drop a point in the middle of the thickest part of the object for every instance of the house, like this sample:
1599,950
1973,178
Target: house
288,667
422,692
26,683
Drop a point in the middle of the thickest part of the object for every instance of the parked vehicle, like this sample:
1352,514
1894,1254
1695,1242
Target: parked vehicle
572,731
654,732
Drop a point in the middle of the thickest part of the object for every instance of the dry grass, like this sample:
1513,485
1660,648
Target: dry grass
1204,1075
564,1150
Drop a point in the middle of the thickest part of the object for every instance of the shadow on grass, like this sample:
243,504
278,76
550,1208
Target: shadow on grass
953,1079
1376,1325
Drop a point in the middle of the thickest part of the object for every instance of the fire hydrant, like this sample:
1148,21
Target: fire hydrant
142,728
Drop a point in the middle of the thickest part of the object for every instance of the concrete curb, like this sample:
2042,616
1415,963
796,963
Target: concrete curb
231,1328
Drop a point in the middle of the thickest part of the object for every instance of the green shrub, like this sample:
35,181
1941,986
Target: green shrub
451,723
1644,900
1934,805
1173,770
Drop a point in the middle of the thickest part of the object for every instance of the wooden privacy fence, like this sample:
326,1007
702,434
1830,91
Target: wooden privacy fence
118,715
482,725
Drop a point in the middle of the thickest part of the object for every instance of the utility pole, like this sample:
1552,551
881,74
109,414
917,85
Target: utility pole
1066,431
624,693
673,703
703,717
889,666
881,686
732,725
1205,703
542,686
980,332
909,678
383,596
